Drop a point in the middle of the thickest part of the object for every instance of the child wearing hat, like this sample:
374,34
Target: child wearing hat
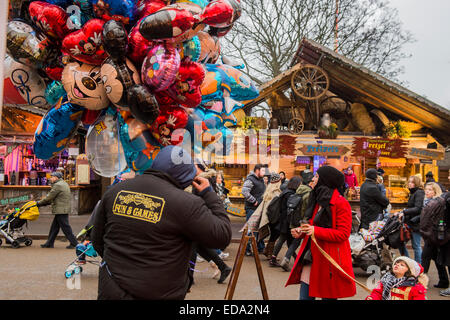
406,281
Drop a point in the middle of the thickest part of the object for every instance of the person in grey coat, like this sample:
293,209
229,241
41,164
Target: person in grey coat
60,199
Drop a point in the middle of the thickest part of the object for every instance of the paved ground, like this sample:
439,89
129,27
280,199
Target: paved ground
36,273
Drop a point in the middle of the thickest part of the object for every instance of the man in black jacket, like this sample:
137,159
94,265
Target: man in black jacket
145,228
372,201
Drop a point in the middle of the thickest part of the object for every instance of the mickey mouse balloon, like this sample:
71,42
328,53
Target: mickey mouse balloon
84,85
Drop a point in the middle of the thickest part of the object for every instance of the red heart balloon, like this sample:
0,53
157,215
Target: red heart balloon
170,119
186,89
85,45
147,7
89,116
54,73
138,46
50,18
221,13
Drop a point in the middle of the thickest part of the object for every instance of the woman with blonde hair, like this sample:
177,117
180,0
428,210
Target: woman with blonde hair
412,216
430,250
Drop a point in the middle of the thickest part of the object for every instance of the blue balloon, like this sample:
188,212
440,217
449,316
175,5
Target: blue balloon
139,151
55,129
192,48
54,92
123,10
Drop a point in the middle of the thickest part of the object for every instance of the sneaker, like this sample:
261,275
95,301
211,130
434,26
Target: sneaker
224,255
445,293
224,274
70,247
200,259
285,264
46,246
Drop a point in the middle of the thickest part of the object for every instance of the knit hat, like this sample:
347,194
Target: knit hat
371,174
429,174
177,163
330,177
415,268
57,174
275,177
380,171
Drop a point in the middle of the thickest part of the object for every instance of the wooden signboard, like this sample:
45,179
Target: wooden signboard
379,147
266,144
323,150
82,170
426,154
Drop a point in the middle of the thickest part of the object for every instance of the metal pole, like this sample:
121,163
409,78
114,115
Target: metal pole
4,9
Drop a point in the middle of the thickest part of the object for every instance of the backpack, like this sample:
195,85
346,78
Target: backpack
294,206
430,216
273,210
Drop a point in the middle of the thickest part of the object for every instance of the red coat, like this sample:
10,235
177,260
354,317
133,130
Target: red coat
401,293
326,281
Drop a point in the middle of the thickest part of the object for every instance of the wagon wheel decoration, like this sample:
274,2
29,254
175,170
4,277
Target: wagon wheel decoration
310,82
296,126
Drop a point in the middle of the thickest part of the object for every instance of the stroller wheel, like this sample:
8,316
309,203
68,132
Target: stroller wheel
68,274
15,244
28,242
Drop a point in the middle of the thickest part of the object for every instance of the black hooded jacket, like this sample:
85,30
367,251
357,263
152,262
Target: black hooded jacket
144,231
372,202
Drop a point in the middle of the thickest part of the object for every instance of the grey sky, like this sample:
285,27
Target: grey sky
427,72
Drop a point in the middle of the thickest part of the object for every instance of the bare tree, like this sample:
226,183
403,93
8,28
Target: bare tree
269,32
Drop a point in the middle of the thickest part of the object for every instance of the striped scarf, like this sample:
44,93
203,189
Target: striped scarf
389,282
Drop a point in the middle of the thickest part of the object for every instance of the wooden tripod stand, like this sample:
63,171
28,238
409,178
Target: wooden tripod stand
238,263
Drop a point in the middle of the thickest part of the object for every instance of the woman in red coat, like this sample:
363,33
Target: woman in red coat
330,219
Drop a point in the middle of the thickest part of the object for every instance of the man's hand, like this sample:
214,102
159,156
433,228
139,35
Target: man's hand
296,233
307,228
256,203
200,183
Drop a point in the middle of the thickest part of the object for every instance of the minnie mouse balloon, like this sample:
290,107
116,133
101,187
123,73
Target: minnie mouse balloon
85,45
210,48
49,18
103,148
186,89
28,45
160,67
56,129
221,13
165,24
118,77
169,119
84,86
22,84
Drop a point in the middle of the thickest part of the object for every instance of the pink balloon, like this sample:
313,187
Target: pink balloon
160,67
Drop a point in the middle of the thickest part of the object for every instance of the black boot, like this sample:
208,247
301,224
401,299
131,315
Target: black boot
224,269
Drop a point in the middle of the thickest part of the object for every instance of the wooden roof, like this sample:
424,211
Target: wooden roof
356,83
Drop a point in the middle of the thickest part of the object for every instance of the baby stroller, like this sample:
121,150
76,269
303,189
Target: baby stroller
372,247
84,249
11,226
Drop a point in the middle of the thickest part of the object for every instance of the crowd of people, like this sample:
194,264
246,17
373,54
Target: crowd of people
151,230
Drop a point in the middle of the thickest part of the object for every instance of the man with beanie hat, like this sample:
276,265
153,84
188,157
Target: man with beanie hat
372,202
145,228
60,199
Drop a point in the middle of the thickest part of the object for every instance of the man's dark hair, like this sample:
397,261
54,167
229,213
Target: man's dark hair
258,167
294,183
